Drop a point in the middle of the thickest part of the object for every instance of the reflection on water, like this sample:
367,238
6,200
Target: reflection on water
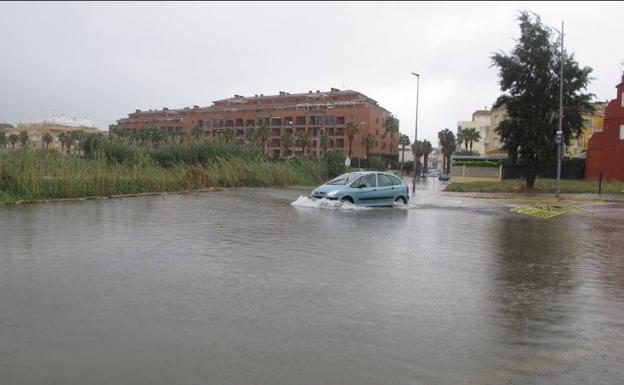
241,287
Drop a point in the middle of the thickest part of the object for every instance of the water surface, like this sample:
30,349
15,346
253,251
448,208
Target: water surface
240,287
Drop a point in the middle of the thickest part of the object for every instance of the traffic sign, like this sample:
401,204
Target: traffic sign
559,139
348,162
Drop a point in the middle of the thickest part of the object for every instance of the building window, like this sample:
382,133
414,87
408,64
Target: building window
276,121
316,120
330,120
587,123
340,120
300,120
622,132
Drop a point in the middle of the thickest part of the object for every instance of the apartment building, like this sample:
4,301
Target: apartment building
481,122
54,126
316,113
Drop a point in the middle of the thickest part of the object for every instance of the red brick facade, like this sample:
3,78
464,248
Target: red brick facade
605,153
314,112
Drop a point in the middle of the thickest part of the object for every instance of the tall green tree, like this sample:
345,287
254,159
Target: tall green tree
250,136
303,139
46,139
530,80
391,126
368,141
351,128
61,136
448,143
3,139
262,135
462,137
473,136
404,141
23,138
427,148
287,141
229,135
324,144
13,139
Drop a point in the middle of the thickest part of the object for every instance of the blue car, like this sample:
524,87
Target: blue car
366,188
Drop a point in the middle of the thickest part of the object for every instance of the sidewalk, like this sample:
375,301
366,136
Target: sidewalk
613,198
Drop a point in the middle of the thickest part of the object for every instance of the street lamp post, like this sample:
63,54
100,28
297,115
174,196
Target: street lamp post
415,132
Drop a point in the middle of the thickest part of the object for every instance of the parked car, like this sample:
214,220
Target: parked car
366,188
444,177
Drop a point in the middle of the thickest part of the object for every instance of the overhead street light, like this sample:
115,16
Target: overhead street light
415,132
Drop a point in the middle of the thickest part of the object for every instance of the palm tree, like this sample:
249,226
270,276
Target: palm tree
250,136
473,136
228,135
324,144
448,144
46,139
350,130
196,132
404,141
62,137
262,135
463,137
426,150
13,139
23,137
303,137
287,140
369,141
391,125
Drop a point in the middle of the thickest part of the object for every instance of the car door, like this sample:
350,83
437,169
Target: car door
385,190
366,195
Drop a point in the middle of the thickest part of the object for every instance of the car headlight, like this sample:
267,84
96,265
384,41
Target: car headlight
332,193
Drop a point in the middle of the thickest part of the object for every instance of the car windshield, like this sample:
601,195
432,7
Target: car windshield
345,178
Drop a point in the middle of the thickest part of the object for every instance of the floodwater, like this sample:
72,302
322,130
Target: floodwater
242,287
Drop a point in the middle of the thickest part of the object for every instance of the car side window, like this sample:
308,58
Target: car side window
370,180
395,180
384,180
357,182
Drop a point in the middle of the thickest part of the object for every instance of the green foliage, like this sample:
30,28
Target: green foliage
335,163
466,152
377,164
3,139
448,144
46,139
23,137
530,80
478,163
13,139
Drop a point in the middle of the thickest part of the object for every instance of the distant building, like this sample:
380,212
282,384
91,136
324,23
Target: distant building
54,126
317,113
592,123
481,122
605,154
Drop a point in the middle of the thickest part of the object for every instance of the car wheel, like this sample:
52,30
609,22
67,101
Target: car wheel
347,199
400,200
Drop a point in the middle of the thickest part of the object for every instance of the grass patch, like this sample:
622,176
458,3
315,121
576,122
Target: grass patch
542,185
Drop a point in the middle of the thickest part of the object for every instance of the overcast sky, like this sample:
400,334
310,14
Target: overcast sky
103,60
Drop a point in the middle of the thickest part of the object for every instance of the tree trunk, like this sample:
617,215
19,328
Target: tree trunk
425,161
531,171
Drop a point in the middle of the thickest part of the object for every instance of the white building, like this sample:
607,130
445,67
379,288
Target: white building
481,122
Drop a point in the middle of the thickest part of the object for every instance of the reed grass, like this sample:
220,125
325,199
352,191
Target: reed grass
28,174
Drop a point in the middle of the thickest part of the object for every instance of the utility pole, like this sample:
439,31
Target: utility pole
559,136
415,132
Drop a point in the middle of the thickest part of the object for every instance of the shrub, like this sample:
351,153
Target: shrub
335,164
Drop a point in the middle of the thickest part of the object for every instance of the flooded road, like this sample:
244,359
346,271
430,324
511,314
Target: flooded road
241,287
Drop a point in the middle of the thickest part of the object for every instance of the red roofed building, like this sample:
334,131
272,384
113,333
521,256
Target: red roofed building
605,153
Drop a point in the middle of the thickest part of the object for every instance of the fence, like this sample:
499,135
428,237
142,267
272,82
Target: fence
477,171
